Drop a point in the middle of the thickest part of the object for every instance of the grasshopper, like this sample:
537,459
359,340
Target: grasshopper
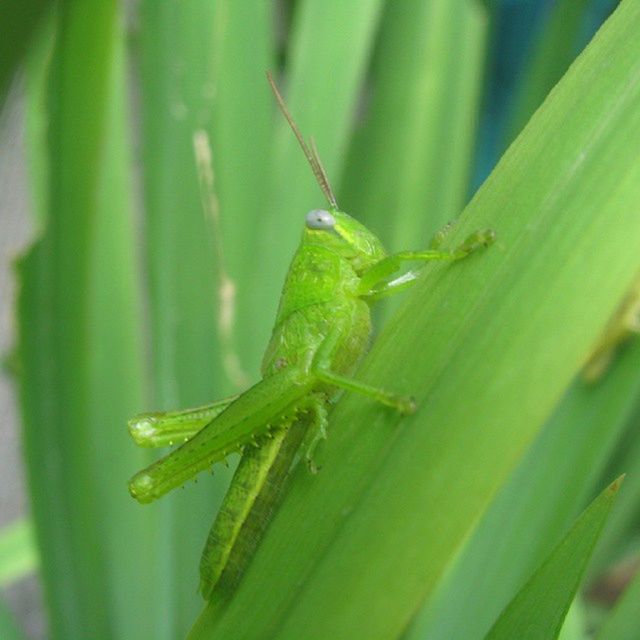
322,329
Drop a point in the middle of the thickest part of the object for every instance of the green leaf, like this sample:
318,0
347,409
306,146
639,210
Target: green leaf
554,49
53,332
574,627
129,534
189,89
539,608
624,621
409,165
487,346
8,628
20,20
535,508
18,554
80,352
241,140
622,528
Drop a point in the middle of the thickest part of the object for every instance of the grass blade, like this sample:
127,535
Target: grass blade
80,343
188,90
175,52
482,338
539,608
18,554
19,21
622,527
116,371
554,49
241,131
8,629
53,308
408,170
535,507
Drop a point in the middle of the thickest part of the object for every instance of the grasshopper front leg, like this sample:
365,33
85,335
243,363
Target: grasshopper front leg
375,282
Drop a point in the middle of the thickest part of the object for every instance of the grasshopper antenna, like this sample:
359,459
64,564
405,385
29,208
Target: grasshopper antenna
310,151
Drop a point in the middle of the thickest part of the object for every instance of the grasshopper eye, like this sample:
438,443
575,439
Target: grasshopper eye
320,219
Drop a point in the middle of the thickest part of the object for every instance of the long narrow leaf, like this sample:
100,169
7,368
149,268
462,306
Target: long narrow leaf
116,372
8,629
622,528
409,167
19,20
554,50
188,94
493,344
535,508
539,608
54,310
241,135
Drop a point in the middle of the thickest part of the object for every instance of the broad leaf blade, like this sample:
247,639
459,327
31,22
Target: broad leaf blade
53,331
493,344
535,507
188,90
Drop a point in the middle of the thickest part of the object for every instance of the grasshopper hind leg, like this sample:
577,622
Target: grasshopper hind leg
257,488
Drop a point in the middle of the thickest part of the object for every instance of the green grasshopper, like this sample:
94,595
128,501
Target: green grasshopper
322,329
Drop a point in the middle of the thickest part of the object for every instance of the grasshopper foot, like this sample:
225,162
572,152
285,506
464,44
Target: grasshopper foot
478,240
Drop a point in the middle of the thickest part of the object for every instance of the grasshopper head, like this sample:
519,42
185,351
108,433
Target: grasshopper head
345,236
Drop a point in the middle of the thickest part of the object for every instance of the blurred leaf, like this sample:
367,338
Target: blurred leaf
241,137
623,526
117,382
408,171
79,343
554,50
187,88
574,627
37,70
53,332
19,20
535,507
18,554
488,347
539,608
8,629
624,621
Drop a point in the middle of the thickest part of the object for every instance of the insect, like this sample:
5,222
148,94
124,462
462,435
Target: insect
322,329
